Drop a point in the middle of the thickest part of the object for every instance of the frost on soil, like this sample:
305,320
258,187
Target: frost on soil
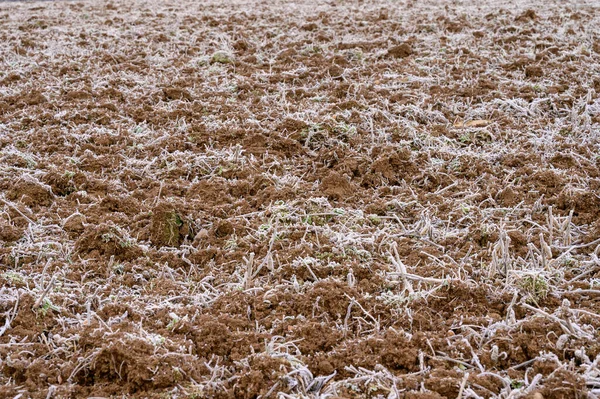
366,199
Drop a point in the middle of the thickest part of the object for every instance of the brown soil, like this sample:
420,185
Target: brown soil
319,199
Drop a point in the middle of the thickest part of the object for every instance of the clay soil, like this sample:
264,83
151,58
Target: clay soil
269,199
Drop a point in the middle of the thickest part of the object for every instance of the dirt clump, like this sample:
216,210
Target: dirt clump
168,227
534,71
400,51
508,197
223,228
175,93
9,233
336,187
527,15
290,126
391,166
563,384
107,240
74,224
65,183
31,193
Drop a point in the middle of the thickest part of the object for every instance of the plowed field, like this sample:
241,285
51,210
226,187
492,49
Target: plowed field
270,199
